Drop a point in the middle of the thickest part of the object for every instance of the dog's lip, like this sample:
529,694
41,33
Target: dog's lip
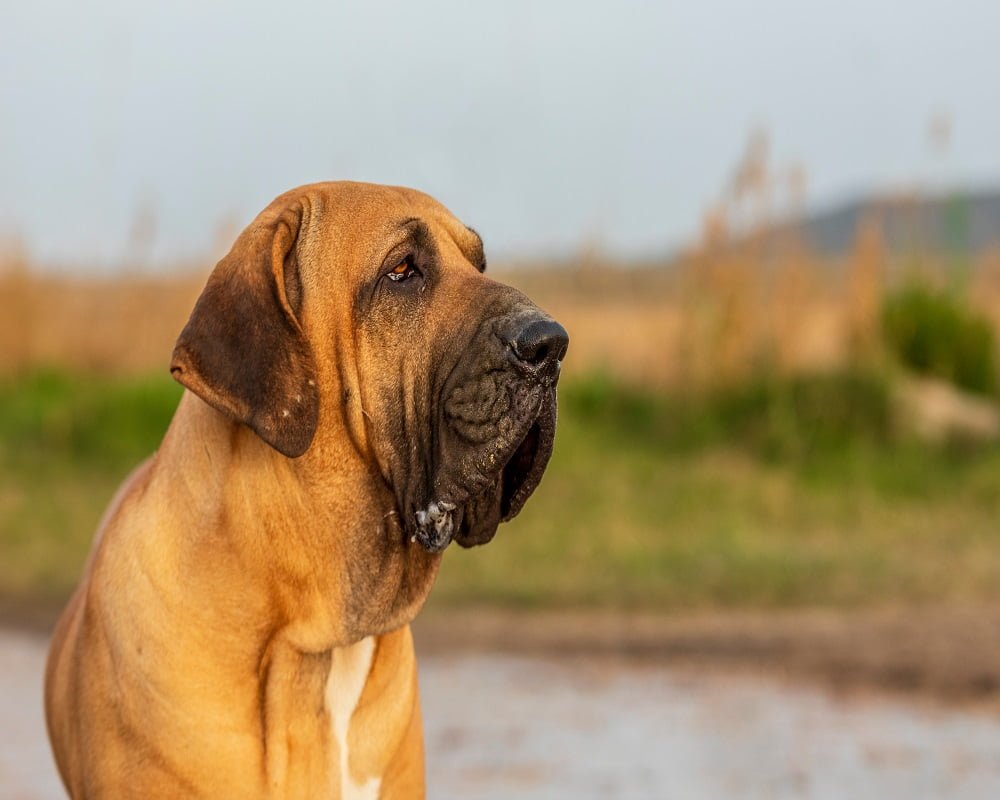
519,469
520,475
506,489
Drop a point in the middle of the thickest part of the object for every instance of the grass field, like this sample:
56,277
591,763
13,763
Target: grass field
780,492
730,430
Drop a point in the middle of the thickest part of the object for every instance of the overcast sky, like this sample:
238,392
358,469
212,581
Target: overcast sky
542,124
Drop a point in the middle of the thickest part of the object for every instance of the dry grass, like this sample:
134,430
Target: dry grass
748,294
119,324
723,311
715,316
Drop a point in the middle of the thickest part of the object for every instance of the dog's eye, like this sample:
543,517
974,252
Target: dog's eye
404,270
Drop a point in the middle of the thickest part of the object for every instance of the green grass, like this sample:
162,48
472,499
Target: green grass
782,492
934,332
66,442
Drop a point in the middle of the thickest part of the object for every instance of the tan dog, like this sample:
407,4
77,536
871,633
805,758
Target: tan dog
360,395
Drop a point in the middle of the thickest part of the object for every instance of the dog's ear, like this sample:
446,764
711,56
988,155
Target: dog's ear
243,351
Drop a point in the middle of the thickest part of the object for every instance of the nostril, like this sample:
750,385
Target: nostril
541,342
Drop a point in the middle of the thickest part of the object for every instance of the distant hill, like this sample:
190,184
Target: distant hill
959,222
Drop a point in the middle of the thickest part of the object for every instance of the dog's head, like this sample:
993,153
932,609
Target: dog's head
360,311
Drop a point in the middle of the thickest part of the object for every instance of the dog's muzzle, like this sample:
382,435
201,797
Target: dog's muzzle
495,475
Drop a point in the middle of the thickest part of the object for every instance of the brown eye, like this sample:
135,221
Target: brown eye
402,271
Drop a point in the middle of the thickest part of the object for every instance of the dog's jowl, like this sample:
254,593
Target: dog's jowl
359,395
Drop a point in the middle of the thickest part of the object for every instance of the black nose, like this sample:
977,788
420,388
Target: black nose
541,344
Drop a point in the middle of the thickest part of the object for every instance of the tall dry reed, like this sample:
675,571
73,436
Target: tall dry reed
748,295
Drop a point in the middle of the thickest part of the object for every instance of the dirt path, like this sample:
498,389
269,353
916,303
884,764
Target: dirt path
943,655
587,725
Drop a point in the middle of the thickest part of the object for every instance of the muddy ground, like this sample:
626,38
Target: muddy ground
947,656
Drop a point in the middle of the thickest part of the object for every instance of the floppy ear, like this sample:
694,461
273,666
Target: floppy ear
243,351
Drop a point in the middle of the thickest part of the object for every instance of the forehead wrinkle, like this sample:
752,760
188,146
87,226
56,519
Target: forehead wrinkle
468,242
478,254
411,229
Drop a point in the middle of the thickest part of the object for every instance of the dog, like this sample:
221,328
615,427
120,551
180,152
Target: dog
359,395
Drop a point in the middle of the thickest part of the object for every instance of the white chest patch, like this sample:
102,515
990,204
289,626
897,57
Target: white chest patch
349,668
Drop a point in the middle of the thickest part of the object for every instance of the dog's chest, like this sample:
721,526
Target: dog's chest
349,669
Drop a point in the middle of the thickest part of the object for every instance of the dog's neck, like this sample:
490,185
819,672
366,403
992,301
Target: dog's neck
330,562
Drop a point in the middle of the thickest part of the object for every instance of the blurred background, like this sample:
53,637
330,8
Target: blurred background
765,558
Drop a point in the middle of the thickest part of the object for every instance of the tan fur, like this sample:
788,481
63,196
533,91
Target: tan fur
195,658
